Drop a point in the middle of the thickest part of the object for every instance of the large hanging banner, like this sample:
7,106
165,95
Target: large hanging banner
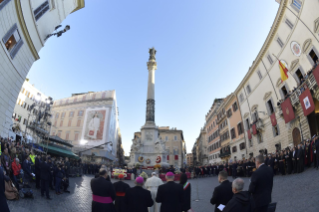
287,110
306,102
273,119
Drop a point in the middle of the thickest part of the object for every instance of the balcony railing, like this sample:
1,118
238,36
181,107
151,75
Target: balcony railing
310,82
224,154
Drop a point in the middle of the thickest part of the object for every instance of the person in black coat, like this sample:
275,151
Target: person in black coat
26,166
45,177
222,193
103,193
37,171
120,188
299,159
261,185
3,200
170,195
186,205
138,199
294,159
234,169
241,201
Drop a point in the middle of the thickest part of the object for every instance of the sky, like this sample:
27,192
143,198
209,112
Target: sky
204,49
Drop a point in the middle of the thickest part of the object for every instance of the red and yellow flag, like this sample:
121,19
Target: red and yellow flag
283,71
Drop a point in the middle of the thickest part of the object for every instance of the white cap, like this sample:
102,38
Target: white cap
153,173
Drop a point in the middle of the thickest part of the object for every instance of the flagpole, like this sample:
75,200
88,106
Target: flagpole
286,67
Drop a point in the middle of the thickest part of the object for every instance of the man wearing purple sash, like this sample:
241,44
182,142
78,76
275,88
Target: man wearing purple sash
103,193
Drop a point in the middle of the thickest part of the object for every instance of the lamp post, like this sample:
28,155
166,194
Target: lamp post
59,33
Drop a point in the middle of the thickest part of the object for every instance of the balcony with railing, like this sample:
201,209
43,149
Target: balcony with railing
224,151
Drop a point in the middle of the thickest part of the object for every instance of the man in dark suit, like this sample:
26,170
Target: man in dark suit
103,193
37,171
170,195
138,199
261,185
3,200
222,193
241,199
45,177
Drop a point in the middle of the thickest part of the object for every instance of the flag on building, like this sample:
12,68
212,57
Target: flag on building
287,110
254,129
273,119
316,74
306,102
283,71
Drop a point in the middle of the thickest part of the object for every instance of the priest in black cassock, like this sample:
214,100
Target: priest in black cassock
103,193
138,199
120,188
299,159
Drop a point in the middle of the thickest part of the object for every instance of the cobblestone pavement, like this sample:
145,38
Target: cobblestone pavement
293,193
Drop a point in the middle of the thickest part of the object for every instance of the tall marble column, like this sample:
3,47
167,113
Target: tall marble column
150,102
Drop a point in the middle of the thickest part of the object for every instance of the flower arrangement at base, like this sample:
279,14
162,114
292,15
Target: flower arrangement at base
157,166
137,165
144,175
148,161
141,159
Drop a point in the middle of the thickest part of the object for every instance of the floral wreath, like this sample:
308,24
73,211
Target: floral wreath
140,159
148,161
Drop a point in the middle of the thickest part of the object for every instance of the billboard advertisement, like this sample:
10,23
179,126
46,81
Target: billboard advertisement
95,126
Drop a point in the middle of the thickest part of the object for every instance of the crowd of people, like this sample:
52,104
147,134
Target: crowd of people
150,195
22,165
291,160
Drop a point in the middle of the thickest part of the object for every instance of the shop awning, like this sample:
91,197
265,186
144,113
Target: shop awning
62,152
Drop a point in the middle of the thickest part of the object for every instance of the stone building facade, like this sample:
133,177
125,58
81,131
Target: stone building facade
25,26
189,159
74,119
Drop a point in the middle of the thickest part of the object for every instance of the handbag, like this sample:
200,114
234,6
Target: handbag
91,132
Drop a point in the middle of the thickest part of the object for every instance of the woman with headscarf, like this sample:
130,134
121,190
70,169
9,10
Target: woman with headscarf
186,205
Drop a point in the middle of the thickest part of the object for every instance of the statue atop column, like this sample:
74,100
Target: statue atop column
152,52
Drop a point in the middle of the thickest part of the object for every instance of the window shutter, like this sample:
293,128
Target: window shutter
245,125
273,131
16,49
9,33
273,105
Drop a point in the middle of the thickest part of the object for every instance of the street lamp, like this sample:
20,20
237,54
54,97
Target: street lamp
59,33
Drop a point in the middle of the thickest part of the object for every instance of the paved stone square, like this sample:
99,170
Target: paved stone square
295,193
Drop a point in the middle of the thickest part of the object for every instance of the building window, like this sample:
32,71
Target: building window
3,3
71,114
242,146
55,123
57,115
59,134
234,149
13,41
94,95
78,124
67,135
41,10
80,113
84,98
166,138
313,56
290,25
62,115
53,133
270,59
175,138
233,133
259,138
241,97
279,41
248,89
229,113
61,123
69,123
76,136
270,107
299,75
284,91
275,130
24,121
67,101
259,75
296,4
